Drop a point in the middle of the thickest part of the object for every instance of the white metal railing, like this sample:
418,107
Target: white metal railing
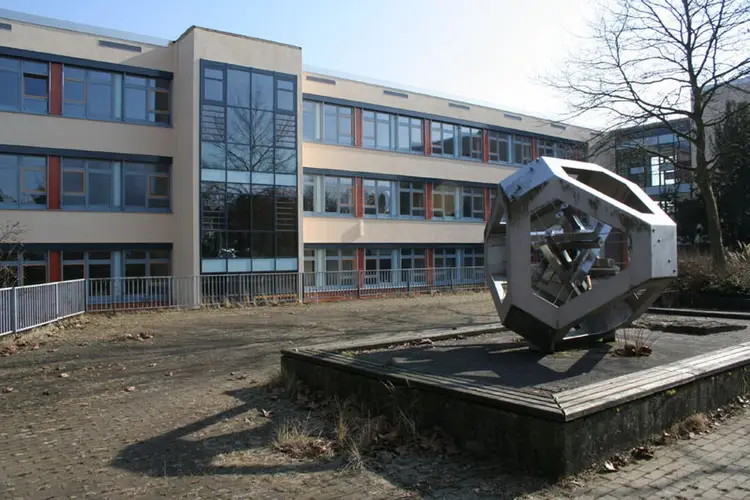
26,307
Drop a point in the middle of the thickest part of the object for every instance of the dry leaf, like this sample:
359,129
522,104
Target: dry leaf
64,375
130,388
266,413
168,374
609,466
6,390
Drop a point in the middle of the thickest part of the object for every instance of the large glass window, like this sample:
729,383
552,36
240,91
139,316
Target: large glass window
24,85
328,123
471,141
107,185
499,144
340,265
21,268
378,197
444,201
413,264
248,155
445,265
328,194
23,181
339,194
379,266
391,132
473,257
443,139
411,199
105,95
521,150
472,203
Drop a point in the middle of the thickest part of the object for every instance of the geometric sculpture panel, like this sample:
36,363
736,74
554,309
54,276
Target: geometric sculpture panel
573,250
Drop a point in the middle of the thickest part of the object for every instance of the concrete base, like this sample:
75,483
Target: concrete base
534,427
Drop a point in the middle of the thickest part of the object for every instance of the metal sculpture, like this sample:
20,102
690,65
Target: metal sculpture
574,251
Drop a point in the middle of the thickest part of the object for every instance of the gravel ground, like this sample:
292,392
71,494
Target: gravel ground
175,404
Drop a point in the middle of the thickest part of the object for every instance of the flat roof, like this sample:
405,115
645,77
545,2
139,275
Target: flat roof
50,22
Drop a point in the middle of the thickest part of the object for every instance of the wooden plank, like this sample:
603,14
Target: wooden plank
505,398
677,378
387,339
646,375
662,373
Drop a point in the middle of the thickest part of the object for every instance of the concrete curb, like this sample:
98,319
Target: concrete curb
699,313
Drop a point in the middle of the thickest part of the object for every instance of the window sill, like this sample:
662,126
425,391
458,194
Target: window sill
117,210
327,214
115,120
38,208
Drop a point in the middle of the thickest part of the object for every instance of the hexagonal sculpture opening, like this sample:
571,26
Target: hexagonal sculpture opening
572,251
609,185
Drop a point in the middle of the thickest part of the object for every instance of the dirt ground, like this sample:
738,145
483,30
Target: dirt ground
174,404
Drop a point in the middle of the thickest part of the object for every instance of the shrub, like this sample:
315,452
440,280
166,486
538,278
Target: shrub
696,274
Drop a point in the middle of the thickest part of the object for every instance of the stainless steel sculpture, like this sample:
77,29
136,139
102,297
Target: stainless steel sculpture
602,251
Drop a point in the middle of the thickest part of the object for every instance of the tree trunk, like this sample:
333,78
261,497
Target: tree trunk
718,257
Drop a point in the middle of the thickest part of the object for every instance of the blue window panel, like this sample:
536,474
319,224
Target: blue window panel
286,179
239,265
208,174
240,177
261,265
286,264
213,265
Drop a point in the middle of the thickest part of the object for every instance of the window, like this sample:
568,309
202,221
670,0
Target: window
472,267
23,268
97,267
340,266
339,193
555,149
413,265
140,263
106,185
328,194
23,181
445,257
391,132
248,155
473,257
470,140
472,203
409,135
443,139
107,271
104,95
309,267
411,199
378,197
662,171
308,193
328,123
499,147
24,85
378,266
444,201
521,150
445,265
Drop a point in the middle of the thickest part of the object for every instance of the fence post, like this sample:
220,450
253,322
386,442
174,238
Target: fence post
57,301
14,310
86,295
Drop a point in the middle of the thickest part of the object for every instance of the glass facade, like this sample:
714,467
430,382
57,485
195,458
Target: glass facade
248,158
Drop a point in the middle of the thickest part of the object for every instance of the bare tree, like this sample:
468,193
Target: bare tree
654,61
10,250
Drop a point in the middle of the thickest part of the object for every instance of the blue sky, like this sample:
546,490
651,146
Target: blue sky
488,51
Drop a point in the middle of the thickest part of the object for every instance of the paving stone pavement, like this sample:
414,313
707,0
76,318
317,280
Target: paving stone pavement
194,425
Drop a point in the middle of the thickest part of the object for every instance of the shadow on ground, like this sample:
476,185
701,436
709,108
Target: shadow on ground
179,453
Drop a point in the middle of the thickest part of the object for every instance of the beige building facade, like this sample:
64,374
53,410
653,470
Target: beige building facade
217,154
